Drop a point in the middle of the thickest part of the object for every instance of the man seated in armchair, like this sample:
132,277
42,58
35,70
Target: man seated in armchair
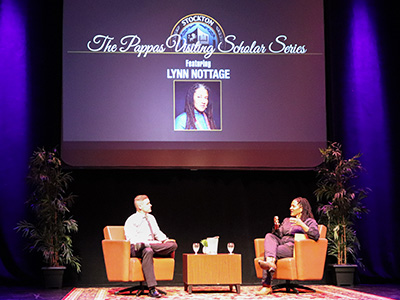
147,240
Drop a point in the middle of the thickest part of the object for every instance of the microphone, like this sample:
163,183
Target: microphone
276,222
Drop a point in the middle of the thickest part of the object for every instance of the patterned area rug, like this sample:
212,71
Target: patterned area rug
327,292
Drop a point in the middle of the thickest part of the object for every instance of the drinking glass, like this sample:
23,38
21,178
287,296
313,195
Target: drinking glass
196,247
230,247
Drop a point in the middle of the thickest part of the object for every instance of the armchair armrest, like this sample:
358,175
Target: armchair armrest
310,258
116,258
259,247
259,251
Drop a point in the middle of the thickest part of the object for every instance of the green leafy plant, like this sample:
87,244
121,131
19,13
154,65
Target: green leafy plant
50,231
340,202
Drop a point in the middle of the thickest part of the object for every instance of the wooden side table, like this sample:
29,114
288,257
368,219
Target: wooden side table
206,269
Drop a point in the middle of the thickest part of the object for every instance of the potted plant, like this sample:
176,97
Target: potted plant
340,204
50,231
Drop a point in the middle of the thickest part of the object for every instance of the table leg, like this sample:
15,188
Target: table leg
238,288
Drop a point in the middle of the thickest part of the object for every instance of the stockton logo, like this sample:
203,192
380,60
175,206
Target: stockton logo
197,33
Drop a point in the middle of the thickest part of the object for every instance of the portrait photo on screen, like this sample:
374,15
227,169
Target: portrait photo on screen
197,105
193,84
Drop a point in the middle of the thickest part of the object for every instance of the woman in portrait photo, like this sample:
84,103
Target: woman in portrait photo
198,112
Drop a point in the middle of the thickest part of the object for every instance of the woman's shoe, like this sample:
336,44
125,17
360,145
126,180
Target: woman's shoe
267,265
266,290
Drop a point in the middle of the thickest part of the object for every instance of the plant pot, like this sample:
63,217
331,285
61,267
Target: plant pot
344,274
53,277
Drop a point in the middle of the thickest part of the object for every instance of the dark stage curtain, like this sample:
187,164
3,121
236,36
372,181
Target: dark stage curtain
362,63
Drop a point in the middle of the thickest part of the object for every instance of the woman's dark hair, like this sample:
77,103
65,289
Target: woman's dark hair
307,212
189,107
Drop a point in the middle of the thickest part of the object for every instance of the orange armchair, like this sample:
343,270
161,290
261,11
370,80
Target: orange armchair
121,267
307,263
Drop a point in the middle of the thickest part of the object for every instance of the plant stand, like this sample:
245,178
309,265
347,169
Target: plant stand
53,277
344,274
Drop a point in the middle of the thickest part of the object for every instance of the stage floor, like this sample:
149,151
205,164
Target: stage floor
27,293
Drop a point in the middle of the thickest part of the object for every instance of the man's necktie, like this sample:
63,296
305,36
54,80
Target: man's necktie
151,229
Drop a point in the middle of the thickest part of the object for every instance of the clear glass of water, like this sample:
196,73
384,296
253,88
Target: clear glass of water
196,247
230,247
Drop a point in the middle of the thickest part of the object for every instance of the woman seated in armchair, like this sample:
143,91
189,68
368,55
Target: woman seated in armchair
280,242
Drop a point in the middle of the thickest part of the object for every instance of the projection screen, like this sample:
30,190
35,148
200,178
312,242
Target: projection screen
193,84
